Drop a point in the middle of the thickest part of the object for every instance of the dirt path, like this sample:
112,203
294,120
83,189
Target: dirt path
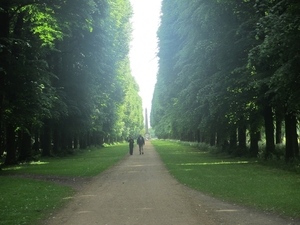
139,190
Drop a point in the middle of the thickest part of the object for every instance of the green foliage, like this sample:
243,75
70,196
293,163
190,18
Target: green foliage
44,24
63,67
133,114
226,66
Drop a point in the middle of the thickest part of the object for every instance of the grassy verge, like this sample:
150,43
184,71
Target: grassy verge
85,163
231,179
25,201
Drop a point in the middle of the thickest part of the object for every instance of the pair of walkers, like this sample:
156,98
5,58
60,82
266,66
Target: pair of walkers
140,141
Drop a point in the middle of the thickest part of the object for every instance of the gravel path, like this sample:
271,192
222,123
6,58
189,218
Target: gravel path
139,190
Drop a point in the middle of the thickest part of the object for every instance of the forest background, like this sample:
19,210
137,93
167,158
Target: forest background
229,76
65,79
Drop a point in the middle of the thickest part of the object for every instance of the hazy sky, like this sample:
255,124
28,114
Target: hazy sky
144,64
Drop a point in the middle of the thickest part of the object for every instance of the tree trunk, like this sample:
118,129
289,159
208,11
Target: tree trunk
269,129
88,139
63,140
278,130
25,152
212,140
2,140
192,136
242,137
70,143
222,141
94,138
98,139
201,136
46,144
101,139
198,136
291,145
254,139
75,142
56,142
4,63
10,146
233,140
82,141
107,139
36,145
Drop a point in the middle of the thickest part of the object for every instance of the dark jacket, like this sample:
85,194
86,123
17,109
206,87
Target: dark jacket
131,142
140,140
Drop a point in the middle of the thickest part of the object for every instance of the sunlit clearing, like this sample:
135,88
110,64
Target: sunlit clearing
214,163
12,168
38,163
24,164
188,169
187,152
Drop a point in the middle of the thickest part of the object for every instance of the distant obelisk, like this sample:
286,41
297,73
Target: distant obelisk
146,125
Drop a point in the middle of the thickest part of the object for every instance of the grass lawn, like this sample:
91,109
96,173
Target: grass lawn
25,201
88,162
235,180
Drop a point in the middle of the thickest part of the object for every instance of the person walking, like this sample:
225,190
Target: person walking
141,142
131,143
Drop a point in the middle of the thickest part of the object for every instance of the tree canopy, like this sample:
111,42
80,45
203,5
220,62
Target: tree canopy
65,78
228,73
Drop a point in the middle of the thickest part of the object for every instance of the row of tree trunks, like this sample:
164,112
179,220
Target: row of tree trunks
20,147
291,143
25,147
292,149
269,131
11,149
278,130
238,139
242,137
4,65
255,137
233,140
46,139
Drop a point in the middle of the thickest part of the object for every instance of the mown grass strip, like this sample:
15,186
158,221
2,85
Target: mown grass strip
235,180
84,163
25,201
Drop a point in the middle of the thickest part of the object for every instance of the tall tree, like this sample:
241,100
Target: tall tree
219,66
66,60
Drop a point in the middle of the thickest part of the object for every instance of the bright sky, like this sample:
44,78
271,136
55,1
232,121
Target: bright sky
143,60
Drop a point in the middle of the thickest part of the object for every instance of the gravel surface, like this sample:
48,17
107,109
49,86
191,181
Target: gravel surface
139,190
